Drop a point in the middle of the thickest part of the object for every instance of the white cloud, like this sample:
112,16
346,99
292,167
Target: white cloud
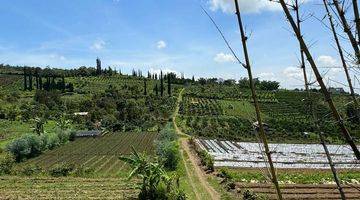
292,72
327,61
247,6
161,44
98,45
222,58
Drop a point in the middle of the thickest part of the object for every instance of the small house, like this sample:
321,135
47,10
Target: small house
93,133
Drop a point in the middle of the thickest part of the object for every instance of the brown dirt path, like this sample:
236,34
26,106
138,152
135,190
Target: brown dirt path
199,174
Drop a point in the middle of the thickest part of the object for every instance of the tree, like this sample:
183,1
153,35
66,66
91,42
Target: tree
156,90
161,84
25,78
145,87
169,84
98,66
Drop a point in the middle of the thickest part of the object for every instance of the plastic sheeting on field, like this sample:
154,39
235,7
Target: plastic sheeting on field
247,155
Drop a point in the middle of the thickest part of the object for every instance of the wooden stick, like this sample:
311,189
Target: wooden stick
357,18
303,67
256,103
343,62
347,29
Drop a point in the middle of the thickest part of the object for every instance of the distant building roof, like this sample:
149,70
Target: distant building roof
81,113
336,90
88,133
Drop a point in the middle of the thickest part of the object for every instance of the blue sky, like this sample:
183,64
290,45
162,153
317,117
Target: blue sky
151,35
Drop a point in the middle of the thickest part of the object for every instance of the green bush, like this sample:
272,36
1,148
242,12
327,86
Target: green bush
168,148
7,162
27,146
83,171
206,159
61,170
169,151
31,170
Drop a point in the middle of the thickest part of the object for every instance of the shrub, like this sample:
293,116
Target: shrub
168,148
19,148
169,152
83,171
7,162
61,170
206,159
248,195
31,170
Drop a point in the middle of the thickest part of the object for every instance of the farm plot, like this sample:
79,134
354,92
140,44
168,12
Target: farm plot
200,107
248,155
100,154
66,188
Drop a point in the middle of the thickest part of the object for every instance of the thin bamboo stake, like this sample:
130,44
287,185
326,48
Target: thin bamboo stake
324,90
256,103
357,18
303,67
332,166
343,62
347,29
316,124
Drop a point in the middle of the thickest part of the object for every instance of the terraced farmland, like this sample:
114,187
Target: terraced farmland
100,154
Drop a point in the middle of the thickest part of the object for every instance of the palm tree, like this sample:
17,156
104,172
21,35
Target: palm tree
153,177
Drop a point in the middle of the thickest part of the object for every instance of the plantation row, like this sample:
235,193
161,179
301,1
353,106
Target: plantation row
228,92
200,106
100,154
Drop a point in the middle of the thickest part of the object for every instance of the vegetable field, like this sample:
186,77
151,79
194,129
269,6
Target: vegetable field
100,153
65,188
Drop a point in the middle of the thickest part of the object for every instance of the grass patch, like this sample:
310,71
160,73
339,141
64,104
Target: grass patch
293,176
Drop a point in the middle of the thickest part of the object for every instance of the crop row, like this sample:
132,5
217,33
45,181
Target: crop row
100,154
228,92
200,106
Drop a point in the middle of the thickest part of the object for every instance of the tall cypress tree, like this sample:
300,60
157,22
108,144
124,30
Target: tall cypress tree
25,78
40,82
145,87
169,84
161,84
63,83
156,90
30,80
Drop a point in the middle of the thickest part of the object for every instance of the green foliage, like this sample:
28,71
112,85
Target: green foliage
7,161
31,145
63,169
168,148
249,195
156,184
31,170
206,160
27,146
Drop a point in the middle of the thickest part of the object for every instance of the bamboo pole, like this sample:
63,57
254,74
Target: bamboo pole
324,90
256,103
343,62
347,29
303,67
316,124
357,18
332,166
